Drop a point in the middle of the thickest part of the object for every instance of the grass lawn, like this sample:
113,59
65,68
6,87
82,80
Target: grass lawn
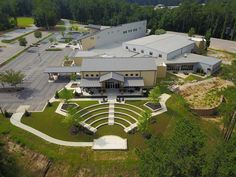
102,162
192,78
25,21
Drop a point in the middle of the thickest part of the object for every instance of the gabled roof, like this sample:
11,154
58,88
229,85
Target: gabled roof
112,75
118,64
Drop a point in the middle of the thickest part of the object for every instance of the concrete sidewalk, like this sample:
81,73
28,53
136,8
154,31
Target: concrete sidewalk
16,120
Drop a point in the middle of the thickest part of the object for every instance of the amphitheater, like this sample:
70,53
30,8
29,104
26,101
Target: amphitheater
121,114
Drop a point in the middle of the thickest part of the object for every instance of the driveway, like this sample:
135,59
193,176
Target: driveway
37,89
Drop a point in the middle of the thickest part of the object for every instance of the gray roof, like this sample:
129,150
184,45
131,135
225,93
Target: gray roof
118,64
134,82
90,83
62,69
112,75
191,58
164,43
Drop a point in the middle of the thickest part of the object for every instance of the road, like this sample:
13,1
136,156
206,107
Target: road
37,89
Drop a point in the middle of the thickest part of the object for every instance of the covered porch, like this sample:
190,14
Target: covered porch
113,83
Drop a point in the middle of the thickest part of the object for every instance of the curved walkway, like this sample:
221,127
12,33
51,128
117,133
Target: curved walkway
16,120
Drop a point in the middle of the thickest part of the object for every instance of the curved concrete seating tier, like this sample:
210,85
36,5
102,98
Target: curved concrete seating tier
106,123
94,105
95,115
94,110
136,107
95,121
129,110
120,118
122,113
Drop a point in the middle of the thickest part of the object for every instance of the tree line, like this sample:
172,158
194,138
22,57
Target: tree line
217,16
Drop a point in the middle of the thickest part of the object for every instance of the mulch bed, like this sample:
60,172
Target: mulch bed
67,106
153,107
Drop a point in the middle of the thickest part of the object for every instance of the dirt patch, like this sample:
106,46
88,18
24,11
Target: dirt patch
35,163
226,57
204,94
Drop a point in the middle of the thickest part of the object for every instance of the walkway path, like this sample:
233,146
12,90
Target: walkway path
16,120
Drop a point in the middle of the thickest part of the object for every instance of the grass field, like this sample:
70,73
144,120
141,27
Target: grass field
25,21
124,161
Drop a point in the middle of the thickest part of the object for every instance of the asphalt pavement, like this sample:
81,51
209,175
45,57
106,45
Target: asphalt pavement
37,89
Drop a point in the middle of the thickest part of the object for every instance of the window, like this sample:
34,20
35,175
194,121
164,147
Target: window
134,49
142,51
160,55
136,74
131,74
129,31
86,75
124,32
135,29
92,75
97,75
127,47
126,75
150,53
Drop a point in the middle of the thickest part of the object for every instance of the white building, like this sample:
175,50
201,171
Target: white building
122,32
164,46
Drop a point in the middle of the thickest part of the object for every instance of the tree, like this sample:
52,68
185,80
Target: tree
12,77
154,95
208,38
143,123
38,34
22,41
160,31
191,32
228,111
179,155
66,57
66,94
51,40
73,77
73,117
221,161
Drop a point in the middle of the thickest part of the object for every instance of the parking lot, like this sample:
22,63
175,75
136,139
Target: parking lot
37,89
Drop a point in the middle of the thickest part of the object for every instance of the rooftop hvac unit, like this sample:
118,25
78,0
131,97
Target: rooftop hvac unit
185,55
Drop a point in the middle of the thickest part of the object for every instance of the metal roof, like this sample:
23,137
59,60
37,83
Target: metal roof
112,75
62,69
191,58
90,83
134,82
166,43
118,64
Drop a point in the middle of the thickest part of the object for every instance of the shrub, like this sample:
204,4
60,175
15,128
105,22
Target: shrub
49,104
56,95
27,113
7,114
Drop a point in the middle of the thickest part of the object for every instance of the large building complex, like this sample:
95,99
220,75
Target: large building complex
105,36
123,57
164,46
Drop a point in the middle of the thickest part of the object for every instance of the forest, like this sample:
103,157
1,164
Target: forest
216,15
